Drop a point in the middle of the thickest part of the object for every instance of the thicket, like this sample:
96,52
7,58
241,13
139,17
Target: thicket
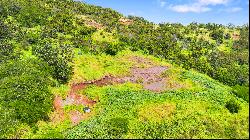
190,47
24,94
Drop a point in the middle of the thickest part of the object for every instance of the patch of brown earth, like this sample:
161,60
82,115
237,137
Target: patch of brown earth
125,21
58,103
235,36
72,99
156,86
76,117
149,78
77,99
94,24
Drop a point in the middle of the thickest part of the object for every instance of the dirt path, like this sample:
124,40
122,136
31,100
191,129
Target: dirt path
149,78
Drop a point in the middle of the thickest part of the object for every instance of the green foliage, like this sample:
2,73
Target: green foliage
8,123
233,106
49,131
243,42
79,108
197,115
242,92
118,127
230,69
24,90
92,67
8,30
62,90
217,35
7,52
38,40
193,46
4,30
58,58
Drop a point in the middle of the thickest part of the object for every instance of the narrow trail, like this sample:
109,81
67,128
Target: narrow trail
150,78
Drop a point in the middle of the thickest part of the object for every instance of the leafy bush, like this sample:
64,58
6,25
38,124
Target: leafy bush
58,58
24,89
242,92
8,123
227,68
7,52
113,49
233,106
7,48
62,70
117,127
243,42
4,30
217,35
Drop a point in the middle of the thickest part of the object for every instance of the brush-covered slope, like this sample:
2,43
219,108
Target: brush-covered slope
186,104
73,70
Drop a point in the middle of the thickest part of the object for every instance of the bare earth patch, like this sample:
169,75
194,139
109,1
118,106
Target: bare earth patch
72,99
150,78
125,21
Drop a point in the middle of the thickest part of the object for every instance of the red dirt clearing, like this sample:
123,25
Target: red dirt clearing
149,78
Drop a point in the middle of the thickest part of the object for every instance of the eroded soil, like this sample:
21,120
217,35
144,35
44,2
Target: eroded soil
148,77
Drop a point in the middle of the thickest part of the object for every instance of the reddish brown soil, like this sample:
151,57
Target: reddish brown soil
140,60
125,21
58,103
94,24
236,36
76,117
72,99
149,78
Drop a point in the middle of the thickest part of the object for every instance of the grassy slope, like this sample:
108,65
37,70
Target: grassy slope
128,111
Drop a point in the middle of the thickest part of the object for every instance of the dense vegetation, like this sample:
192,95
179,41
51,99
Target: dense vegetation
46,45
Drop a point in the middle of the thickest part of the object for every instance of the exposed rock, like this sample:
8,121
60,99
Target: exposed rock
125,21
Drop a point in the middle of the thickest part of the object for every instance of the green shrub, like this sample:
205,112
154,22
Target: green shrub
117,127
62,70
242,92
113,49
8,123
7,49
233,106
58,58
7,52
24,89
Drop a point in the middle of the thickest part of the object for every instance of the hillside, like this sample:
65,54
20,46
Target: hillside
73,70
